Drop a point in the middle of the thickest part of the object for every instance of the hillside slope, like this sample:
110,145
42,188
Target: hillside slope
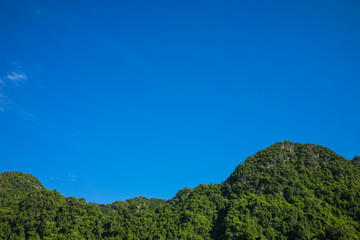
286,191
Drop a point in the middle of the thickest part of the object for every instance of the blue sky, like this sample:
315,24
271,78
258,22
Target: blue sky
109,100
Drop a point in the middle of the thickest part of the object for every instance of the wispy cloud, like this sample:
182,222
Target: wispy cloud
72,177
27,114
16,78
4,101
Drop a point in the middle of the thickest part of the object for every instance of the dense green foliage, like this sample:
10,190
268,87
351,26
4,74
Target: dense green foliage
287,191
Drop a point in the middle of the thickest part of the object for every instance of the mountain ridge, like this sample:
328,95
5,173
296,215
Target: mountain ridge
286,191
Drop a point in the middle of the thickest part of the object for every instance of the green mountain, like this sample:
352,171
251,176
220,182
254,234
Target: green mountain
17,184
286,191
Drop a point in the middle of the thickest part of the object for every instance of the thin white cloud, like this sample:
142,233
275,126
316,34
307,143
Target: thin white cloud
16,78
4,100
16,63
72,176
27,114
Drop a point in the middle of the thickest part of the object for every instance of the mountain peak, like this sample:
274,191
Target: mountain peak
18,183
282,161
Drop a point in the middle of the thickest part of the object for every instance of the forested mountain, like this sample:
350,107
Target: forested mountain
287,191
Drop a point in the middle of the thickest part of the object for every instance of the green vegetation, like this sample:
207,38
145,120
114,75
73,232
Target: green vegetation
287,191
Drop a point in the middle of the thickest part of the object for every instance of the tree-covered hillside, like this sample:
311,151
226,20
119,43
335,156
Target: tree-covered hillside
287,191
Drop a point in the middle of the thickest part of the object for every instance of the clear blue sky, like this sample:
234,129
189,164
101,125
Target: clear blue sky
109,100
